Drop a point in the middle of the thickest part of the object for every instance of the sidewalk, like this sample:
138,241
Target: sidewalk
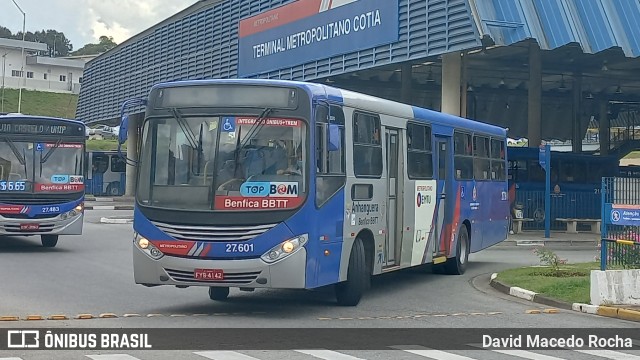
536,238
108,203
624,312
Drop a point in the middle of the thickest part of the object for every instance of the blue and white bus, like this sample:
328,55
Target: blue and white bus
106,173
41,177
280,184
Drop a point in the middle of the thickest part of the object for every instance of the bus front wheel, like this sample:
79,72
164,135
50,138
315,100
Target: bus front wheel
349,292
458,264
49,240
218,293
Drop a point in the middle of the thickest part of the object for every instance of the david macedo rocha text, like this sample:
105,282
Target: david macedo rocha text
573,341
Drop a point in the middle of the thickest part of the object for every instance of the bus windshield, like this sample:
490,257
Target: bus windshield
223,163
42,167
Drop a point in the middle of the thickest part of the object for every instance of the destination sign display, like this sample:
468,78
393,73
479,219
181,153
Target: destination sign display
227,96
48,127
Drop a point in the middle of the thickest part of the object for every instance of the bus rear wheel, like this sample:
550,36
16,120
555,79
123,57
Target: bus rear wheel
458,264
218,293
349,292
113,189
49,240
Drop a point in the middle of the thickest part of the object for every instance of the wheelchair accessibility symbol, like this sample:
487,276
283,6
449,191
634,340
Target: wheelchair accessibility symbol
229,124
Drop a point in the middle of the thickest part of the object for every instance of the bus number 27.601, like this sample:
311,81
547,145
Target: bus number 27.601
239,248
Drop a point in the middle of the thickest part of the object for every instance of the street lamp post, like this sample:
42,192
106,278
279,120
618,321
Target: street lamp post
4,60
22,72
55,39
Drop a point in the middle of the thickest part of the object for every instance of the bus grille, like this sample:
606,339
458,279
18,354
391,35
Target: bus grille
25,216
33,201
213,233
241,278
15,228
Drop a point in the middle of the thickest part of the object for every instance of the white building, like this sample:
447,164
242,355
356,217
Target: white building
43,73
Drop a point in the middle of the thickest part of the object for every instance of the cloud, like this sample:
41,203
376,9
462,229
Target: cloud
125,18
84,21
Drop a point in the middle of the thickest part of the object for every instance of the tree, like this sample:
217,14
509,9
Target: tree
57,43
105,43
5,33
50,37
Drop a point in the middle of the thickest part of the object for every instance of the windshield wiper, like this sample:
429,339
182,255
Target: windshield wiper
253,130
191,137
15,151
256,127
50,152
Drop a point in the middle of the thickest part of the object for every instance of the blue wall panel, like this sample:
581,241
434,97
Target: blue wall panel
554,21
629,14
205,45
596,25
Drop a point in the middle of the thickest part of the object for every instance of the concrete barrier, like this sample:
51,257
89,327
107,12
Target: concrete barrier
621,287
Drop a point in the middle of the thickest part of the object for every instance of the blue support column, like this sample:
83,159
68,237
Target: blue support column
547,192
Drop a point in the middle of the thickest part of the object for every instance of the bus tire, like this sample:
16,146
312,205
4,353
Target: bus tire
218,293
349,292
114,189
49,240
458,264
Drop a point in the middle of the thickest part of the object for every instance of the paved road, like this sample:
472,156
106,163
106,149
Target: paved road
93,274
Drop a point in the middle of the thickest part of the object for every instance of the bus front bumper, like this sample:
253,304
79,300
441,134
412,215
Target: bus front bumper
288,273
51,226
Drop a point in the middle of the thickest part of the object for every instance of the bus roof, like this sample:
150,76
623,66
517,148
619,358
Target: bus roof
358,100
16,116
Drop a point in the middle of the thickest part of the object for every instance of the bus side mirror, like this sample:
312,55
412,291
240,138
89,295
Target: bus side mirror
124,126
334,137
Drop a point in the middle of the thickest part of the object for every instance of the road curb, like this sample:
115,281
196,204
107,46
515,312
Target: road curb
106,220
108,207
608,311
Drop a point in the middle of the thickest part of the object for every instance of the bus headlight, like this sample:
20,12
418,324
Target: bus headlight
76,211
147,247
284,249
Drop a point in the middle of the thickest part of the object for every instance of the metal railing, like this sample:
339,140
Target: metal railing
620,231
619,254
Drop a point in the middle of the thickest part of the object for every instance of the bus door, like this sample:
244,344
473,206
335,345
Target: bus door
393,241
444,157
99,165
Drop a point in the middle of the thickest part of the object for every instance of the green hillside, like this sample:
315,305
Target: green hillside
40,103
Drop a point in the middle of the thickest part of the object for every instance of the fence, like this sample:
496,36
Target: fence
620,232
578,204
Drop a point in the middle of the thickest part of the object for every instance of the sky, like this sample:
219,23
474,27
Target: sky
84,21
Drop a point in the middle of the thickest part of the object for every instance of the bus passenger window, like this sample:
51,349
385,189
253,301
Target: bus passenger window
481,162
118,164
419,153
100,163
367,149
497,160
463,158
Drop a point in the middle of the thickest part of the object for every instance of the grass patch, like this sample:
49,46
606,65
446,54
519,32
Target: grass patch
103,145
570,284
41,103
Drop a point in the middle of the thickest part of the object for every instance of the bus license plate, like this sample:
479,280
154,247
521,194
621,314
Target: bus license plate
29,226
208,274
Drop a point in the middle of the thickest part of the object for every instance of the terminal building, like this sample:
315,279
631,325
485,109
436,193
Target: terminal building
544,69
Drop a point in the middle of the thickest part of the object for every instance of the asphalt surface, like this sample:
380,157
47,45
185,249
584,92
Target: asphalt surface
92,274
